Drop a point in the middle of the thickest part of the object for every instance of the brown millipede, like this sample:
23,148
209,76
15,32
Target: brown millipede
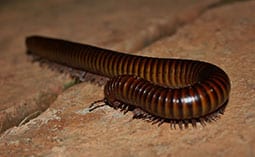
159,89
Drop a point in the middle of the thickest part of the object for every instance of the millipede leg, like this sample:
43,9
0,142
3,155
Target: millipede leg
93,107
202,122
194,123
180,124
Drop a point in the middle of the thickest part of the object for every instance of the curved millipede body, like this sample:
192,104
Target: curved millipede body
172,90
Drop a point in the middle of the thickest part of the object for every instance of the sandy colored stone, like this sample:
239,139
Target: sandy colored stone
222,35
26,89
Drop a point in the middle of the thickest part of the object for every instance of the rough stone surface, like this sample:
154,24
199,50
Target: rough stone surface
126,25
223,35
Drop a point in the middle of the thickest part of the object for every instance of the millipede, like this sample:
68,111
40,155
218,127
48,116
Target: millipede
178,91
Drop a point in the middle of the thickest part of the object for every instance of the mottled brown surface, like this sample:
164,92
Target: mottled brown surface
223,35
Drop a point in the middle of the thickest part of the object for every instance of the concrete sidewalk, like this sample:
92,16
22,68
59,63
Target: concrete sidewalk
223,35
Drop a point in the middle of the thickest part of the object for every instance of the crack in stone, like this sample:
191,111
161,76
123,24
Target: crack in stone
169,28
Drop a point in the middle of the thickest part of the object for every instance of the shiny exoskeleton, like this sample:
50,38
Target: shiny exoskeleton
171,89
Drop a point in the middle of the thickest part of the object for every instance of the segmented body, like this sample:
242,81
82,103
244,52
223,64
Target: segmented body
170,89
